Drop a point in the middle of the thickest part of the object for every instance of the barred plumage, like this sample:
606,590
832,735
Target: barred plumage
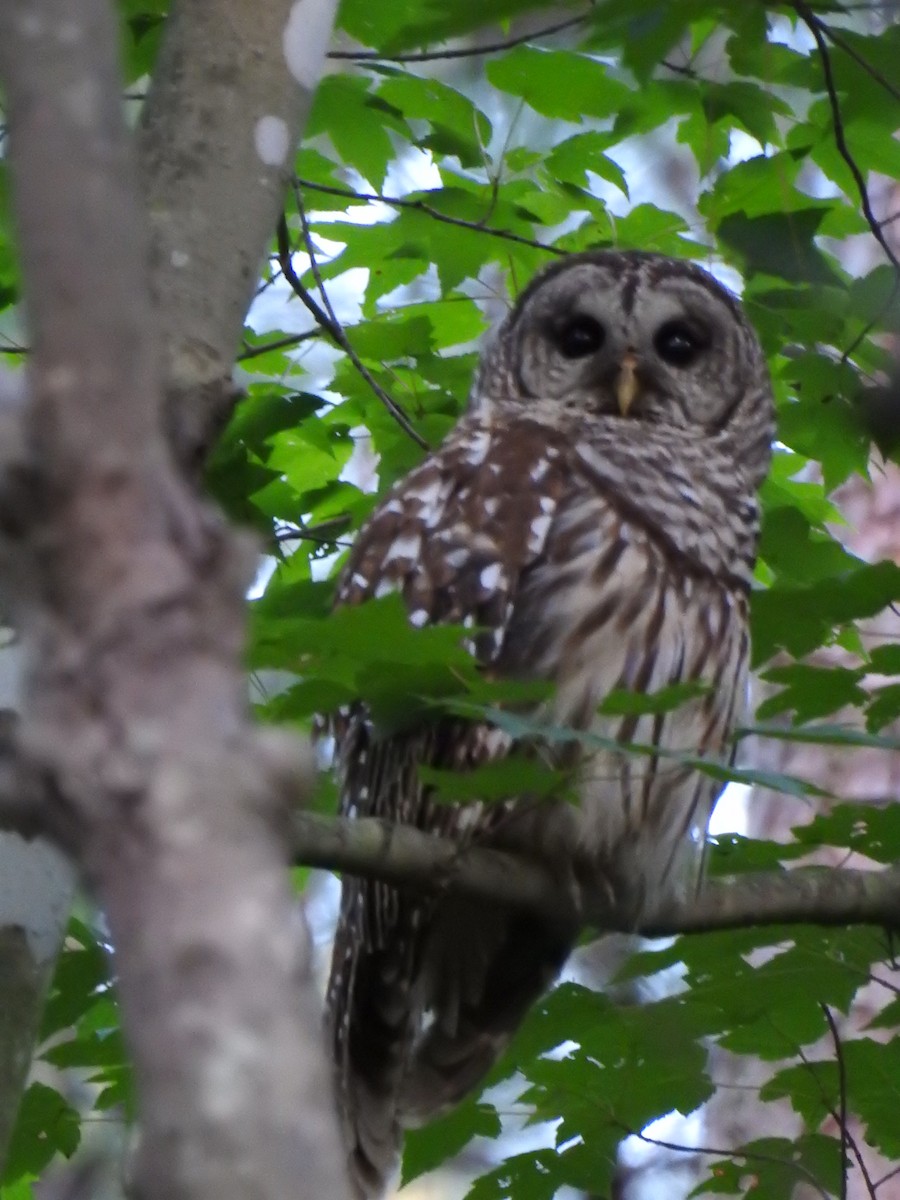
594,519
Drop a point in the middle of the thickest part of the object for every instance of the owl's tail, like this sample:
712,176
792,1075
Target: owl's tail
432,1036
482,973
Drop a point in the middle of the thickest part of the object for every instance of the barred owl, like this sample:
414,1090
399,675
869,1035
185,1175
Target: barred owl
593,518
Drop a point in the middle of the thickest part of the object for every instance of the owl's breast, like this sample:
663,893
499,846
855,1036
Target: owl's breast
608,611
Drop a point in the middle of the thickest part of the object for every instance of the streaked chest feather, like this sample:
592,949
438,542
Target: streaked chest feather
617,616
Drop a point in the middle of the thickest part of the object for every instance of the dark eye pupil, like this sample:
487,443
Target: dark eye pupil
579,336
678,344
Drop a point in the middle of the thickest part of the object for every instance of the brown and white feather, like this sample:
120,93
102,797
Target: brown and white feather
596,550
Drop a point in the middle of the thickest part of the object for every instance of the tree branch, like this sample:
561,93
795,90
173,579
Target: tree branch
407,857
402,855
435,214
817,28
534,35
328,321
231,91
841,1115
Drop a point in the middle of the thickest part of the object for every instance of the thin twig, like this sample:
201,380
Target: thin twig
421,206
813,25
394,408
842,1095
842,43
336,332
311,255
290,339
847,1139
888,987
747,1156
296,535
687,71
466,52
264,284
285,250
892,1174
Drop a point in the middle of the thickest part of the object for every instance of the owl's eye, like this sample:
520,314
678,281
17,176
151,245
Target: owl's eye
578,336
679,344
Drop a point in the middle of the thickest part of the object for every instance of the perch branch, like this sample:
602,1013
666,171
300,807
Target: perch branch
400,854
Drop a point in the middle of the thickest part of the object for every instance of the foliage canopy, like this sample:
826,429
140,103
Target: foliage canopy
431,187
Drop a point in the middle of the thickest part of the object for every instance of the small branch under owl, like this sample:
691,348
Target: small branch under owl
398,854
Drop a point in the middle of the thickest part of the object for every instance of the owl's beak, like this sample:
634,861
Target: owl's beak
627,382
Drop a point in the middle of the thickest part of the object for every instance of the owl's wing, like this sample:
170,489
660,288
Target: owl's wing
454,539
455,536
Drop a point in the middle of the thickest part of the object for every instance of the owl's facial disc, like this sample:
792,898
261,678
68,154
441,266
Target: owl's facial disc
638,337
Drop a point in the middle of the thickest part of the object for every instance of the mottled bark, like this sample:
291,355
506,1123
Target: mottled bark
129,593
231,91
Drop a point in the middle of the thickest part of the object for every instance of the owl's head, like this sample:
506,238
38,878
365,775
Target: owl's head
635,337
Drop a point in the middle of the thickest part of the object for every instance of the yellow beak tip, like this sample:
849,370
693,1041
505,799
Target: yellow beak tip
626,386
